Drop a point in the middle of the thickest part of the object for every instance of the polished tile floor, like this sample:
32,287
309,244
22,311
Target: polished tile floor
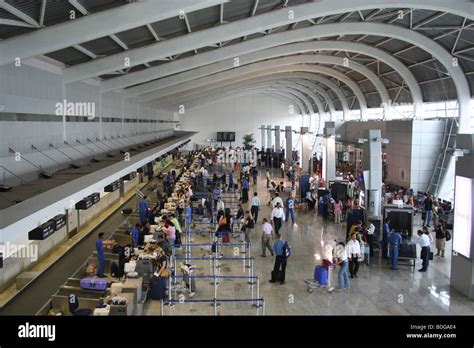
377,290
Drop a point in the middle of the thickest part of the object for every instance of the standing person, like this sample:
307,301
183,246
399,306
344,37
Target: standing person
282,168
293,179
249,224
279,268
135,235
179,231
254,175
255,206
268,178
245,190
385,233
342,260
278,215
290,209
310,200
424,242
353,253
337,211
440,239
99,245
370,237
220,205
231,182
216,194
428,203
395,239
277,200
143,209
298,169
267,233
189,215
170,232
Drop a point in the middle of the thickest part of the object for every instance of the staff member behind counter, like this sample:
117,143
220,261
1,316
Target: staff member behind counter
99,245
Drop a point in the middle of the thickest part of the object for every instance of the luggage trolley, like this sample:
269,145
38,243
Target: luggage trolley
321,278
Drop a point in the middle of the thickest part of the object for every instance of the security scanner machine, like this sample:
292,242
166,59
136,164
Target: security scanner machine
401,218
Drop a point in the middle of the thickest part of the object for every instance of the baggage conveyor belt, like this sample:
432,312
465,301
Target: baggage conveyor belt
36,294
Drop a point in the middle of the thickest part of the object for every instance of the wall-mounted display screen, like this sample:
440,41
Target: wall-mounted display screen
462,216
225,136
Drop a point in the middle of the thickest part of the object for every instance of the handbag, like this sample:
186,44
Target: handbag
165,273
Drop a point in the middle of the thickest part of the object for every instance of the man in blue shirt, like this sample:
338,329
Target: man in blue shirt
143,210
395,239
135,235
245,190
386,231
280,261
290,209
216,194
99,245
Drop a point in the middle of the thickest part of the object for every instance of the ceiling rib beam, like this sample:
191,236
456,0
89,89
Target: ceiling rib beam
92,27
85,51
15,23
17,13
42,12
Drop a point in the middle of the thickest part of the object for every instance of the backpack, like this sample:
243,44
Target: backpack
114,270
448,236
286,250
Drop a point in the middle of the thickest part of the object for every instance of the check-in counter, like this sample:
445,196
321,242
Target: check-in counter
135,286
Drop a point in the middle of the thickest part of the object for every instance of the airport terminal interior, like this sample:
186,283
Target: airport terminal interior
236,157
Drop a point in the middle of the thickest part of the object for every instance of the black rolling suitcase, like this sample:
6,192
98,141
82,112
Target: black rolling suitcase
276,277
157,288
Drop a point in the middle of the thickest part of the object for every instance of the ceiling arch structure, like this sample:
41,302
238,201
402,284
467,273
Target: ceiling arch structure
255,67
295,101
414,47
289,49
302,92
278,69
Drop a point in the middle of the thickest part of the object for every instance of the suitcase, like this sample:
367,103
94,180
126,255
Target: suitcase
321,275
226,237
157,288
93,284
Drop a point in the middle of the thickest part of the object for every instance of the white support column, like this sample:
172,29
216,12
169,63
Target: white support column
330,154
101,133
269,137
277,139
262,128
289,144
372,165
305,151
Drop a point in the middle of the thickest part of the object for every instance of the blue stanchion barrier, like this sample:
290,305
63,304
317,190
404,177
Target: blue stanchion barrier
230,244
215,276
203,231
217,300
212,258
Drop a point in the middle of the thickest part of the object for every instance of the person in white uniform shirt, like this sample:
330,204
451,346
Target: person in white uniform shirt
255,206
282,168
220,204
278,215
370,237
424,242
277,200
353,253
267,234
